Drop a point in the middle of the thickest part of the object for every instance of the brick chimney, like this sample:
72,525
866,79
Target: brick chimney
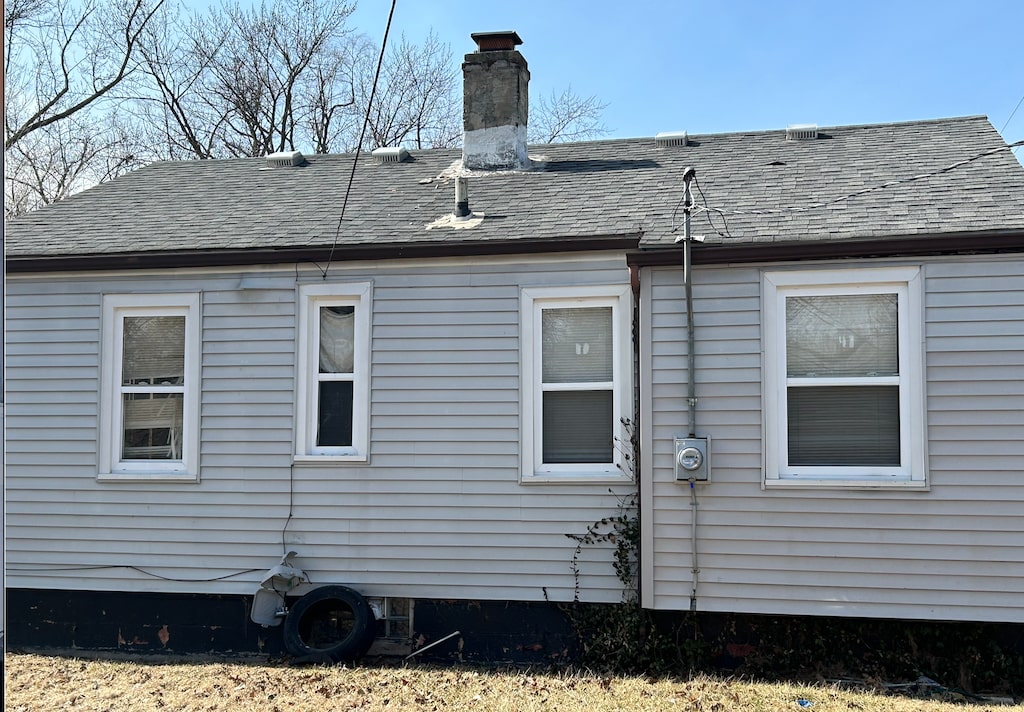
495,103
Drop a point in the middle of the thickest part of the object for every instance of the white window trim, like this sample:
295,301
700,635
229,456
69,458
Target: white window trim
532,299
111,467
311,298
906,282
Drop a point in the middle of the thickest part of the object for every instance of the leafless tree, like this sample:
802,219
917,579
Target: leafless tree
98,87
62,58
417,103
53,162
558,118
64,63
240,81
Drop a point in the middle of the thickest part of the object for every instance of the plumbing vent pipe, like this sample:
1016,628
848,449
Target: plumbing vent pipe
285,159
462,211
801,132
389,154
671,138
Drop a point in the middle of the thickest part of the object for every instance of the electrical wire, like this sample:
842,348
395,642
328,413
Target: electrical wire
362,135
865,191
707,211
291,500
138,569
1011,115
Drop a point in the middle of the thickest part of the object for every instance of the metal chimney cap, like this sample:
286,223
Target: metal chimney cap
496,41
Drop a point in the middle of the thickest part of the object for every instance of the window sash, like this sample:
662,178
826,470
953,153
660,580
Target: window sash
150,402
593,367
843,426
333,372
898,456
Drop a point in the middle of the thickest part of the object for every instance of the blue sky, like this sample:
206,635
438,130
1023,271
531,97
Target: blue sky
728,65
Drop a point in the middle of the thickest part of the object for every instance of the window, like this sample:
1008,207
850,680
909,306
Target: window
575,382
150,398
844,363
333,375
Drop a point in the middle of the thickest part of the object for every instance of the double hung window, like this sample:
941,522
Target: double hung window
333,372
576,367
843,377
149,408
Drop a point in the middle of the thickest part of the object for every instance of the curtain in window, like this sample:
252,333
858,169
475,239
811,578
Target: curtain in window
842,337
577,348
845,335
577,345
337,358
844,426
578,426
153,367
154,350
337,335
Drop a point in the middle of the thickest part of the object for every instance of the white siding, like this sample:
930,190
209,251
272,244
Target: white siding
437,511
954,552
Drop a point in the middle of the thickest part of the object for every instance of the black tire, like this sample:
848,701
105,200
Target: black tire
330,623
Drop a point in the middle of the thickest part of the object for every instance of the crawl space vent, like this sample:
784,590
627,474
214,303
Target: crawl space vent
671,138
389,154
801,132
285,159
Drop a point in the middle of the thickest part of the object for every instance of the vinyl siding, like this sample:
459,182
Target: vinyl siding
953,552
437,511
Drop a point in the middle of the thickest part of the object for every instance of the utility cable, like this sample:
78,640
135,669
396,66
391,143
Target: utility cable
865,191
102,567
707,211
1011,115
362,135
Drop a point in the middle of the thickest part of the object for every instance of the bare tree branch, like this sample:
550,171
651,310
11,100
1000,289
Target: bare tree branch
48,112
566,117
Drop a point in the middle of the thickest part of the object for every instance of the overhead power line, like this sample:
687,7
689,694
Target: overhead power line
1011,115
362,135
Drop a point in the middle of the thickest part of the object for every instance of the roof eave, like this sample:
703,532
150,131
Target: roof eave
918,245
379,251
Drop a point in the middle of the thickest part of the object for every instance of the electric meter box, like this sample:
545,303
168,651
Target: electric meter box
693,459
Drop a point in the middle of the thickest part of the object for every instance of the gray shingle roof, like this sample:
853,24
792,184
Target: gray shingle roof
770,189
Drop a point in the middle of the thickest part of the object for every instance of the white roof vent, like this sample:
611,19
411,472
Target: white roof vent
801,132
389,154
671,138
285,159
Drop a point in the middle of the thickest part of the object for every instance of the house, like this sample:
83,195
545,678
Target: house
209,368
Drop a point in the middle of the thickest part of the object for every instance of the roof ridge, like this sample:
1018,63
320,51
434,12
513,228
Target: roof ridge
763,132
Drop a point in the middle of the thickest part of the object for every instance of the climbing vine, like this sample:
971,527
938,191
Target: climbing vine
625,637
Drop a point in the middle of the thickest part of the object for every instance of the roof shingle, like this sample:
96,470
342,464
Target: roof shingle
853,182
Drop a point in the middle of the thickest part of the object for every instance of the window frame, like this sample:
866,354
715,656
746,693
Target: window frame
906,283
311,297
532,301
112,466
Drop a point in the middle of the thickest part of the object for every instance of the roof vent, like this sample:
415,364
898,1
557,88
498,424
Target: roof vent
801,132
671,138
285,159
389,154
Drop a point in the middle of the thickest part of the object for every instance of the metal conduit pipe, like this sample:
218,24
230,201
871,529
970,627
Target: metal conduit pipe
691,385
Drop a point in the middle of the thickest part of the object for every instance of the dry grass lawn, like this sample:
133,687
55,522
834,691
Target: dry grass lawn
36,683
